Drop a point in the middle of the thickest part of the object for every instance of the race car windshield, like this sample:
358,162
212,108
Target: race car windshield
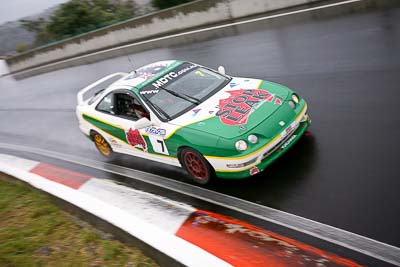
175,91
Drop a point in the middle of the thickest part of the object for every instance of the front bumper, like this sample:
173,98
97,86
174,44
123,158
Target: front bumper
267,157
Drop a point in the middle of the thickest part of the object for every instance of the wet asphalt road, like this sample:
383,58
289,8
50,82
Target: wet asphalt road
347,68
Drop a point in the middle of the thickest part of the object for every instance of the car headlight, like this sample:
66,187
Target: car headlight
295,98
252,138
292,104
241,145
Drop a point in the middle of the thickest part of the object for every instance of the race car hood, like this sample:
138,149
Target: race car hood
236,109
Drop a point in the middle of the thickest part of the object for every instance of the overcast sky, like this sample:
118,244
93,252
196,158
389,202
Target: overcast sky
11,10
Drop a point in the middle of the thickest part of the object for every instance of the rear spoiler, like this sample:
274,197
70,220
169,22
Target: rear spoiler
102,80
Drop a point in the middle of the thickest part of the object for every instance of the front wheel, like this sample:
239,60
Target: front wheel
197,166
102,146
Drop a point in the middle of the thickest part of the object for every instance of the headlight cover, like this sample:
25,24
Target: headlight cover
295,98
252,138
241,145
292,104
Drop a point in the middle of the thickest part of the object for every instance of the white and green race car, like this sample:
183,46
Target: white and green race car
184,114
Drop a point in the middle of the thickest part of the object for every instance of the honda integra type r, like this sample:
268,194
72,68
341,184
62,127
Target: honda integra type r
184,114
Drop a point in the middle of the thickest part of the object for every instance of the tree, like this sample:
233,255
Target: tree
161,4
32,25
75,17
79,16
21,47
125,10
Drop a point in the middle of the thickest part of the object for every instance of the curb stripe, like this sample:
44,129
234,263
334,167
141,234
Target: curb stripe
230,240
358,243
62,176
242,244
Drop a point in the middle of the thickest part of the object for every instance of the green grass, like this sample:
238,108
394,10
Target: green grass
35,232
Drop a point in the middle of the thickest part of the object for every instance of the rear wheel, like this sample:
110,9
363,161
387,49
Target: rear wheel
197,166
102,145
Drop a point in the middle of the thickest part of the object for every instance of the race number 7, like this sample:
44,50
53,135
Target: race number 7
161,142
158,144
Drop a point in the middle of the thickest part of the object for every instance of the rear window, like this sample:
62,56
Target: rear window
95,97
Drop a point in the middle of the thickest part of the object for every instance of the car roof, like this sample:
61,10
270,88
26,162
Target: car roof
145,75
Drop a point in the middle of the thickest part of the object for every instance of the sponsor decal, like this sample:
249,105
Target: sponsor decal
146,75
154,87
282,123
201,123
199,73
213,110
233,84
135,139
148,71
242,128
278,101
165,79
156,131
288,141
195,111
289,129
114,142
149,92
171,76
247,80
236,109
254,170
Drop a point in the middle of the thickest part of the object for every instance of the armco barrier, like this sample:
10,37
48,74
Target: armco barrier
193,22
197,14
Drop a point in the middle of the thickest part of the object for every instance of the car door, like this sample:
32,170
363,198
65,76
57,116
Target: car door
104,121
120,110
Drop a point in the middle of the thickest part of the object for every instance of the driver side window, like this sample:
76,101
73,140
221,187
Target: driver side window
122,105
129,107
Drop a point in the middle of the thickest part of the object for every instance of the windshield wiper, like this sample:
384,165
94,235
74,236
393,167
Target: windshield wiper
159,110
191,99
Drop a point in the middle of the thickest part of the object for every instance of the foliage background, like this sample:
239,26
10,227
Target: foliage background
80,16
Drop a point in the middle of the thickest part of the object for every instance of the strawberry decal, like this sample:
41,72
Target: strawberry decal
236,109
135,139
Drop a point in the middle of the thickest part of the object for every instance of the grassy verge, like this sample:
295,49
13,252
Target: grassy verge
35,232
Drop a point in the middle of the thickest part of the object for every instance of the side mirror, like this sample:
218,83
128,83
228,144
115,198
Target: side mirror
142,123
221,70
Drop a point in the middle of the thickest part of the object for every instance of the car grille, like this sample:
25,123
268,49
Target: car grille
290,130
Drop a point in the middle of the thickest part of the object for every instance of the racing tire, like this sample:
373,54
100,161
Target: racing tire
102,146
197,166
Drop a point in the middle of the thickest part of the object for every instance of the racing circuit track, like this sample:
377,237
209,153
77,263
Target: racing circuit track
347,68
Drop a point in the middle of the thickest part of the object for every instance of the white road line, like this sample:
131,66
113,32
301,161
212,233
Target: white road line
193,32
355,242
